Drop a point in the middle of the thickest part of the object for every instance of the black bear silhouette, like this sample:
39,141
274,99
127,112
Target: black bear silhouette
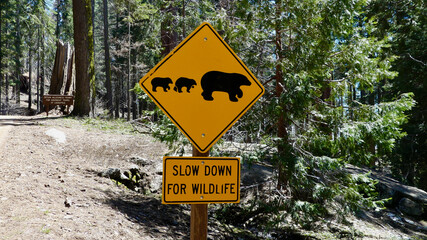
161,82
223,82
184,82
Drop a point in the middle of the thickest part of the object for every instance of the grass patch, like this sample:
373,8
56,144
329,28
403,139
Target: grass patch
113,125
45,230
120,126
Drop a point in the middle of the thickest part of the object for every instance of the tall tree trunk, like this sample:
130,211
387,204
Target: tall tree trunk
129,71
107,61
117,94
38,69
57,78
58,19
371,141
169,36
282,124
68,87
42,67
93,84
68,90
134,99
184,34
83,34
18,54
29,77
7,92
1,57
6,79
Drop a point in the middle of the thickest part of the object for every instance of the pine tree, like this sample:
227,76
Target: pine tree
404,23
314,58
109,96
84,60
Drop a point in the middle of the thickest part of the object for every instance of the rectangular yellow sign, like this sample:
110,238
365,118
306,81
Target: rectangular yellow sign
201,180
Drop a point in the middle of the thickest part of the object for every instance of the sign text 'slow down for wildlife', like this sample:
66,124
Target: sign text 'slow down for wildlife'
201,180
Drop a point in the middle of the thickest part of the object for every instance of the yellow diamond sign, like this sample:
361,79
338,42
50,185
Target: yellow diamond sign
202,86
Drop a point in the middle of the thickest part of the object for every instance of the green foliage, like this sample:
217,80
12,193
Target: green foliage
338,76
404,24
64,20
328,64
379,124
118,125
20,21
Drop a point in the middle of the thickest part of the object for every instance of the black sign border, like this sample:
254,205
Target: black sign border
239,115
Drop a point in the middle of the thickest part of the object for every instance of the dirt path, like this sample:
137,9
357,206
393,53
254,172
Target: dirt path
50,190
4,129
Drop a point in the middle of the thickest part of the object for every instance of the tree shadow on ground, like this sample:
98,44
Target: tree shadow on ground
16,121
162,221
392,218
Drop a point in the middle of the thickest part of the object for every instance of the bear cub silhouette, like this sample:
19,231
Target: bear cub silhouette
184,82
161,82
223,82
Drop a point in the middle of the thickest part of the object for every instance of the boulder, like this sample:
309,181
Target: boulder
140,161
113,173
411,208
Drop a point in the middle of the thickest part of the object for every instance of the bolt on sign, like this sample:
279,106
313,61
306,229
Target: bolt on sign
202,86
201,180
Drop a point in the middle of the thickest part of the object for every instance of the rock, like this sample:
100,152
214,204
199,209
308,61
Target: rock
155,184
252,174
391,188
113,173
140,161
59,136
395,218
110,172
385,192
67,202
409,207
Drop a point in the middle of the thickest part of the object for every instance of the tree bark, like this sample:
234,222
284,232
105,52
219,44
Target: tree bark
18,54
38,70
169,36
117,94
6,80
107,61
42,68
83,33
371,141
29,77
1,57
134,98
58,20
69,86
7,92
281,122
57,78
128,95
93,84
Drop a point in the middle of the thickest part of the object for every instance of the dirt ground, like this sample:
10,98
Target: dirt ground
50,188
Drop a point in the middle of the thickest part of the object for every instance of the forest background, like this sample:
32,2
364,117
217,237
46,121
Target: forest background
345,83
